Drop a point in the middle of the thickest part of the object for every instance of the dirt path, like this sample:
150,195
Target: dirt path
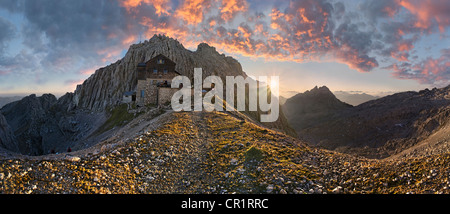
194,174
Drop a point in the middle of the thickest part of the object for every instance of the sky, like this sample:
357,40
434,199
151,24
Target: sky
371,46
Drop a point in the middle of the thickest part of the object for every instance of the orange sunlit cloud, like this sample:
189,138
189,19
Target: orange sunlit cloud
301,32
401,36
192,11
159,5
230,8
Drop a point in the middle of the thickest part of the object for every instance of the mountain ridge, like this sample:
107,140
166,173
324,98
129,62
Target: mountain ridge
385,126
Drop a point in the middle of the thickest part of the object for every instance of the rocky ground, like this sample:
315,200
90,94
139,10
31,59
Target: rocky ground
200,152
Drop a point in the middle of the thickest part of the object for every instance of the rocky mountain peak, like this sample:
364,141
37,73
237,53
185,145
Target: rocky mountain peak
107,85
324,90
308,108
316,98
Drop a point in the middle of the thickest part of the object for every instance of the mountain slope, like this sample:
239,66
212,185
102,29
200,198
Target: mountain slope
386,126
435,144
214,152
106,86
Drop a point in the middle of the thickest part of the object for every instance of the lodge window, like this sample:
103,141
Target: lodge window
155,71
160,61
165,71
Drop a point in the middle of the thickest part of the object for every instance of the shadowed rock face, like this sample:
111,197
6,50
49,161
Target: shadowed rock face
26,118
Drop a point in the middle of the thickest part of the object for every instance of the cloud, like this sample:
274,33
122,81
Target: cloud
375,10
162,7
72,36
428,71
6,34
428,13
231,8
191,11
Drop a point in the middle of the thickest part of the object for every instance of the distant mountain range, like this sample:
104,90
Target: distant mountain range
354,98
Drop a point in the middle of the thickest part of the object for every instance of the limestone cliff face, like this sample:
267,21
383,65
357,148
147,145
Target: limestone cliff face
106,86
7,138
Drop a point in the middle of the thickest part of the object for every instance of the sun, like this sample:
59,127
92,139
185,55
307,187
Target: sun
274,85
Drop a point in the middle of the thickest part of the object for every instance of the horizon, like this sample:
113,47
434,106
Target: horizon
375,47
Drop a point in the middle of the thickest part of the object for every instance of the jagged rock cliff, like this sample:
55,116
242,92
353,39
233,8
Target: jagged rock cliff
42,124
7,138
106,86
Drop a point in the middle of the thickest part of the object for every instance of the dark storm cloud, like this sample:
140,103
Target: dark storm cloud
75,27
67,32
